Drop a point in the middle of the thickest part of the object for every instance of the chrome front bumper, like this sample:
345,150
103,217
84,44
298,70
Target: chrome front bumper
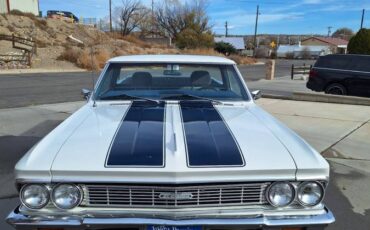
20,221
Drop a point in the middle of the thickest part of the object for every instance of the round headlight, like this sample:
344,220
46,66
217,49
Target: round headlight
310,193
280,194
66,196
34,196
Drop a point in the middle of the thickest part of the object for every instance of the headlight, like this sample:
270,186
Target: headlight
34,196
310,193
280,194
66,196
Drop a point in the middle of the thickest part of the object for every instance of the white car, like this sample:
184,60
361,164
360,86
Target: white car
171,142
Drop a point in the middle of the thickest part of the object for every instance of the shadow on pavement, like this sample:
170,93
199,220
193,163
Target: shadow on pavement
339,204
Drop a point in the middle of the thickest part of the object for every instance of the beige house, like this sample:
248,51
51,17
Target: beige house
337,45
27,6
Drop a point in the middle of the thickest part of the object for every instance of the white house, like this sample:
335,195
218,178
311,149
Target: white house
27,6
297,51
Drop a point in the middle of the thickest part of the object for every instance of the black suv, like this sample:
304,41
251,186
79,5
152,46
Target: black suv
341,74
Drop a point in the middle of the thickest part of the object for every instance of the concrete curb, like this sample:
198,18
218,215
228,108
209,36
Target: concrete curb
274,96
316,97
325,98
25,71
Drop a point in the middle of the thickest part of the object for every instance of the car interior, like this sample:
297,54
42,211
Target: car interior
160,80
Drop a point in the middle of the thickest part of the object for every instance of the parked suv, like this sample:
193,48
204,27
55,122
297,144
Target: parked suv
344,74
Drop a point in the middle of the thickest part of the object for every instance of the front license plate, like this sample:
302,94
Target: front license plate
164,227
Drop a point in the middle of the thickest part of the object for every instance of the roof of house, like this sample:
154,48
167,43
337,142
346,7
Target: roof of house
330,40
237,42
176,59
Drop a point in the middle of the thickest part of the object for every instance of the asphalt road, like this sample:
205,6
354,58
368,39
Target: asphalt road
18,90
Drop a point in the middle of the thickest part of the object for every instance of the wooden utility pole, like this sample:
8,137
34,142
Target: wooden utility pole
362,18
255,30
152,18
226,29
110,16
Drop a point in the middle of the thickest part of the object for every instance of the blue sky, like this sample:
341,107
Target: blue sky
277,16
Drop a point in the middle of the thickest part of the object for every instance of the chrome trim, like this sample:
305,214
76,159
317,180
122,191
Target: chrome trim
17,219
321,198
149,196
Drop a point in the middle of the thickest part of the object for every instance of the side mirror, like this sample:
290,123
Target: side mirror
257,94
85,93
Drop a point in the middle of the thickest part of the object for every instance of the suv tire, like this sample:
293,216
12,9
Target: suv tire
336,89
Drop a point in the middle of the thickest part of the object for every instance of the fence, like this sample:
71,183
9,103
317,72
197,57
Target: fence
25,44
305,69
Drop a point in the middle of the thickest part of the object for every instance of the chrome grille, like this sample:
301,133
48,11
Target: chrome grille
174,196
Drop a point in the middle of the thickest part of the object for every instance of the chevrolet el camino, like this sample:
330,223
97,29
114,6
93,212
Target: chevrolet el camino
171,142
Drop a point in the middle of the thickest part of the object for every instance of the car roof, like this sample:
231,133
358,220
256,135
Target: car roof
177,59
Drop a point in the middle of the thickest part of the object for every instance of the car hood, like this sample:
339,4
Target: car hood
78,150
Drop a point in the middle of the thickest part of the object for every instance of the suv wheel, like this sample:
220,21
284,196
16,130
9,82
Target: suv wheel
336,89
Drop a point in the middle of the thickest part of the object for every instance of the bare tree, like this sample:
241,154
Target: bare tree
172,17
129,15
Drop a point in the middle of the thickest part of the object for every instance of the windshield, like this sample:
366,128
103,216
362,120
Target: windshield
170,82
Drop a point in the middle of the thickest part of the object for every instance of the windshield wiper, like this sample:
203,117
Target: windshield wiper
128,97
190,97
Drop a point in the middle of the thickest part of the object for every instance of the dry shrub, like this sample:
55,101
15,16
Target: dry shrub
41,23
20,13
11,28
161,51
136,41
132,50
41,44
70,54
86,61
200,51
241,60
118,52
289,55
101,58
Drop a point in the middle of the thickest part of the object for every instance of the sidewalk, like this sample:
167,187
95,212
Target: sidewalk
282,86
17,71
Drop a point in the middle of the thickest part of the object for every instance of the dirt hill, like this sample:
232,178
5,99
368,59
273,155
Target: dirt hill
58,46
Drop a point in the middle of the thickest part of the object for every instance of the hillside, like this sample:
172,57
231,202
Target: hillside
55,49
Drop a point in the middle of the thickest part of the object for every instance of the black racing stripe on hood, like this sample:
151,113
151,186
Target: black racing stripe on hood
209,142
139,140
